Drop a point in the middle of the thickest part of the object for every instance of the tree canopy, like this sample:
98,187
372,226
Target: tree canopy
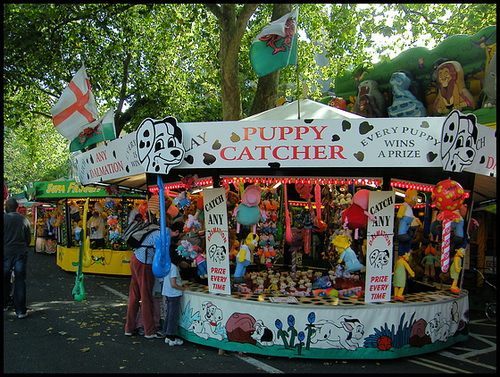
185,60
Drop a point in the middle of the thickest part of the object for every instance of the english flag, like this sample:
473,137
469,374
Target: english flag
76,107
275,46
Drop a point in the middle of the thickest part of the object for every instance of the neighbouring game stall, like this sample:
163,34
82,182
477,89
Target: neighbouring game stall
299,231
58,224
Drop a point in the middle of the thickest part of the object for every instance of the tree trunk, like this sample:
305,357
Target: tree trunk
233,26
267,87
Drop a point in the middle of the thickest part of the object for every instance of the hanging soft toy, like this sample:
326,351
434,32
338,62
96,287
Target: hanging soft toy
201,263
248,211
399,279
191,223
110,204
455,269
406,218
200,214
356,215
190,182
244,257
428,261
182,200
143,207
342,244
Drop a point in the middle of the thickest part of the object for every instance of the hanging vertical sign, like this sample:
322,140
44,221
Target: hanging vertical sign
379,248
216,233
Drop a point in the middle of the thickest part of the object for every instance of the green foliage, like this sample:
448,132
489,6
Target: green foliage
157,59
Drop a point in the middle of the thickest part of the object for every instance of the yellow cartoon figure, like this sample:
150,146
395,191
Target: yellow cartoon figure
456,268
399,281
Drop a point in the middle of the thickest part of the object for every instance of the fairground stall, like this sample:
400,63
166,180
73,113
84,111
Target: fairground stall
295,227
58,226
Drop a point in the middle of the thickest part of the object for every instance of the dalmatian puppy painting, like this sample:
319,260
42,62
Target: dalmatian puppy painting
211,316
345,333
458,141
159,145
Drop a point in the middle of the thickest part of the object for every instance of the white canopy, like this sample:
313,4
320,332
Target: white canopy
308,110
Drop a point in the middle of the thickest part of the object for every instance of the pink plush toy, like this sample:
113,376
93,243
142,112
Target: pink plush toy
249,212
356,215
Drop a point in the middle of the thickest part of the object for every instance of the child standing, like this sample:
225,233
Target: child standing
172,291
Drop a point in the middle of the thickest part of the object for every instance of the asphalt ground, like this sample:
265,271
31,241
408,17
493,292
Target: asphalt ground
61,335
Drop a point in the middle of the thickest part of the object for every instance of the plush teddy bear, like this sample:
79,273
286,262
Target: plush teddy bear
191,223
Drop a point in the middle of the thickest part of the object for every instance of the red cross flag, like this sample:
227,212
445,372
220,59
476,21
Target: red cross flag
76,107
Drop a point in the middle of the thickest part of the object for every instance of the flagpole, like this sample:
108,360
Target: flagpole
297,71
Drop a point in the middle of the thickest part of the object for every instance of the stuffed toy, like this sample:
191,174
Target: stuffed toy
490,84
201,263
406,217
191,223
182,200
190,182
185,249
356,215
456,268
429,261
399,280
404,103
234,250
452,93
244,257
370,102
249,212
342,245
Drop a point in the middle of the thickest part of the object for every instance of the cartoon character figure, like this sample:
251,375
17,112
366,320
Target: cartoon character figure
191,223
249,212
342,244
404,103
370,102
452,93
406,218
456,268
159,144
245,257
356,215
458,142
399,280
429,261
345,333
490,84
201,263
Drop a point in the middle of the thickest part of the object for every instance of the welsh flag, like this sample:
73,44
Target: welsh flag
76,107
275,46
99,130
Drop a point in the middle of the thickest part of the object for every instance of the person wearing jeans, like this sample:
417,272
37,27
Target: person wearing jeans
16,241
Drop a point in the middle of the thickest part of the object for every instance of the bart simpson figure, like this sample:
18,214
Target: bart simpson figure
400,270
429,261
456,268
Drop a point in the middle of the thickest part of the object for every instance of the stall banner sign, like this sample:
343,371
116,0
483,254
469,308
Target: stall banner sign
65,189
379,248
467,145
217,236
118,159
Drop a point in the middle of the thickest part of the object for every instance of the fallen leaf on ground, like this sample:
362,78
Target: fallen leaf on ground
86,349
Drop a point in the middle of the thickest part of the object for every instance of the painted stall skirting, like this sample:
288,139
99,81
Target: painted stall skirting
324,328
103,261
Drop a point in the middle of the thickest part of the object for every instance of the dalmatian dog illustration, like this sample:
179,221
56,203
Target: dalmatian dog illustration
438,328
211,316
262,334
217,253
458,142
345,333
379,258
159,144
